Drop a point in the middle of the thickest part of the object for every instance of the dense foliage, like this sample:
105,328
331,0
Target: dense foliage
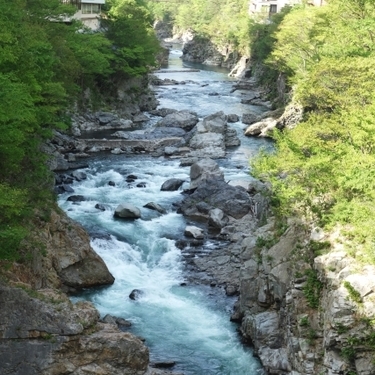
44,63
224,21
324,168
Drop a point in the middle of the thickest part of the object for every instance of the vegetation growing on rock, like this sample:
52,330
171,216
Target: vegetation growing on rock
323,169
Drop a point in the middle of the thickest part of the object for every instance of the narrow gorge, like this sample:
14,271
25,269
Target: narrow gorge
165,256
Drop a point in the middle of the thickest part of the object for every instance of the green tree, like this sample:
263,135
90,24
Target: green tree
323,168
128,27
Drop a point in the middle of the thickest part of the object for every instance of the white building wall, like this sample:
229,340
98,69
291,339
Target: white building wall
265,6
88,12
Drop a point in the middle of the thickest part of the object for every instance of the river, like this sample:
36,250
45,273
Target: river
180,322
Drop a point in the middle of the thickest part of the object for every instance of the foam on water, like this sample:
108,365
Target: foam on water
180,323
187,324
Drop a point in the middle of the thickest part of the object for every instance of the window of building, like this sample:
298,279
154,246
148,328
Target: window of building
90,8
273,8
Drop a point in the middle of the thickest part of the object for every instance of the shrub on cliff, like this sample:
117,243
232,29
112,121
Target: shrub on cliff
323,169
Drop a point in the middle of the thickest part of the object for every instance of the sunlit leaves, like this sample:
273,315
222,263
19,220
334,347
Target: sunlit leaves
128,27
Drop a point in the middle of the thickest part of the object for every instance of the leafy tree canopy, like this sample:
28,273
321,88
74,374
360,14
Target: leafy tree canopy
44,64
324,168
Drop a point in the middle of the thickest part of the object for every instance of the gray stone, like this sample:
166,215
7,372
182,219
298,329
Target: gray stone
210,145
140,117
127,211
171,151
172,184
249,118
121,124
162,112
203,170
195,232
233,118
217,218
121,134
105,117
231,138
79,176
135,294
156,207
181,119
233,201
76,198
264,328
262,128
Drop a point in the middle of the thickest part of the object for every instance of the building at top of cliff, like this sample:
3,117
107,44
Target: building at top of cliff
269,7
88,12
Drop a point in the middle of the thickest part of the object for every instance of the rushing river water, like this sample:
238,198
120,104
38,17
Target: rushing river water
188,324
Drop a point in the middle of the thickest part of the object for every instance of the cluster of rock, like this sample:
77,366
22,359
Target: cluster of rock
177,134
304,314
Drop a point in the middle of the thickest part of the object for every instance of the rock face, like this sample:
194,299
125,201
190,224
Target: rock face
298,311
279,292
202,50
60,338
303,313
70,261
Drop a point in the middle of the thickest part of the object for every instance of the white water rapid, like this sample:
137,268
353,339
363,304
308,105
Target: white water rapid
188,324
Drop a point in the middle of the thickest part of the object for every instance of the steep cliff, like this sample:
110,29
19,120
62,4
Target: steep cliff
307,313
41,331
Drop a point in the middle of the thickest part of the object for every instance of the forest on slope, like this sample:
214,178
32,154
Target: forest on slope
45,64
324,169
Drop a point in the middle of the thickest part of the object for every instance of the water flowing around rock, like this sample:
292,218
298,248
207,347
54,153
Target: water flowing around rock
180,321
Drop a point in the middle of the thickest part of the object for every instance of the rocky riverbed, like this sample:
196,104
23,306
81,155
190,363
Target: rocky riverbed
294,304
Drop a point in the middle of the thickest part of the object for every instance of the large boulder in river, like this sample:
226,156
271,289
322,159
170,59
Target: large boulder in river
70,260
156,207
249,118
181,119
215,123
203,170
210,145
216,193
127,211
172,184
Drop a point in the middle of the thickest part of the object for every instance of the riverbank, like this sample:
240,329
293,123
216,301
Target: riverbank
293,306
